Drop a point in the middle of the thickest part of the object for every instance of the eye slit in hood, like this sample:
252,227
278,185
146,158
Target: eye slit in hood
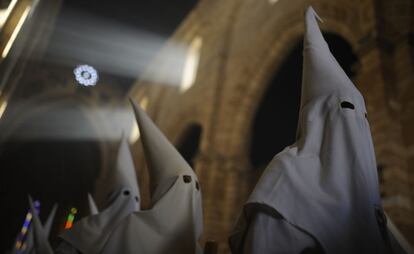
187,178
347,104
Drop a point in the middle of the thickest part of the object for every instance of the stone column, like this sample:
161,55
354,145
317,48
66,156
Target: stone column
404,78
384,114
226,183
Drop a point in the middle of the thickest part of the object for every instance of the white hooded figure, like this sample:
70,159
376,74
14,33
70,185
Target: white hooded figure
174,222
321,194
91,234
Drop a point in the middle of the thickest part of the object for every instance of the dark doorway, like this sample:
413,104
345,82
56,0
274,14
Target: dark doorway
275,123
189,143
38,159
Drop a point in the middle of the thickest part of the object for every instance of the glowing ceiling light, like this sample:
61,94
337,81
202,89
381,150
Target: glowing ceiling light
273,1
6,13
86,75
15,32
191,64
3,108
134,133
134,136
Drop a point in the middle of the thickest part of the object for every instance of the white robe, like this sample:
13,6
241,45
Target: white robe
171,226
90,234
168,227
270,233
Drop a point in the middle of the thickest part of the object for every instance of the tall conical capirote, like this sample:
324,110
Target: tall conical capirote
50,219
124,174
164,162
322,75
93,209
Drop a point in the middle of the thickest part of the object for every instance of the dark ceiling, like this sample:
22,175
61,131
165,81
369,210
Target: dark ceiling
156,16
159,18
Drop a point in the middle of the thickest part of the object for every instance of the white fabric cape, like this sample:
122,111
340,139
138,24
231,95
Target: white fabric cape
90,234
168,227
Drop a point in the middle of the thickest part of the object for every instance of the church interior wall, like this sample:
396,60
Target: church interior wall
241,45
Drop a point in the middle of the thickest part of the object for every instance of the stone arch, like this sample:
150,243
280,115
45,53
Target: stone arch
189,142
264,70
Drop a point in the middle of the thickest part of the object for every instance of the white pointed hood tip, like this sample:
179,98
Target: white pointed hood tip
313,35
322,75
124,175
93,209
49,221
42,245
164,162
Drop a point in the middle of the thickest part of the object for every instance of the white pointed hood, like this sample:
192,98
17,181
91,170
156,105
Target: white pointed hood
93,209
124,175
174,222
41,234
89,235
320,65
326,183
50,219
164,162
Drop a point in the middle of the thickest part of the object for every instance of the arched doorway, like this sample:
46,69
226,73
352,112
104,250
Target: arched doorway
274,125
189,143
